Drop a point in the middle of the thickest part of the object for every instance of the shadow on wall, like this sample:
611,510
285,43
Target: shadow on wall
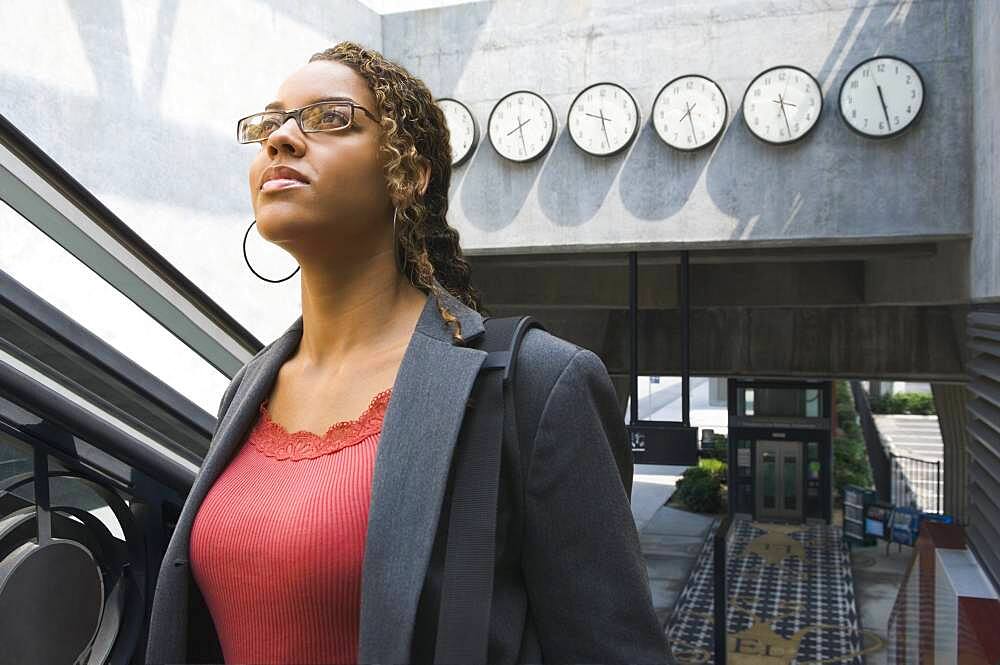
770,188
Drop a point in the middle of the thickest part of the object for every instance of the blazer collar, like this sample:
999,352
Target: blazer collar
413,457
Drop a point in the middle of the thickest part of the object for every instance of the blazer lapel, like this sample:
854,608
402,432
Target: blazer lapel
413,458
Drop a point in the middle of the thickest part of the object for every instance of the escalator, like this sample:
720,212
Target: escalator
97,453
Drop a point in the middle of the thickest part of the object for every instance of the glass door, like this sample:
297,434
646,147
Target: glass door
779,480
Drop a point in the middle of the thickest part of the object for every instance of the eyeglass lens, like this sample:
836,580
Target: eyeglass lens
326,116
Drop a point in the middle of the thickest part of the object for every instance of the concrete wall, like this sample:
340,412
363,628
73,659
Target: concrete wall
834,184
984,269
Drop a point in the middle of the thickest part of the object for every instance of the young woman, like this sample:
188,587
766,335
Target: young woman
313,534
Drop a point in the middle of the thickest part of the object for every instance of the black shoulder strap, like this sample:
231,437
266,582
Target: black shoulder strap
467,589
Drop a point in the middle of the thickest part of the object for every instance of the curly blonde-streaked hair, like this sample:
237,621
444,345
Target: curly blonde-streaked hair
413,126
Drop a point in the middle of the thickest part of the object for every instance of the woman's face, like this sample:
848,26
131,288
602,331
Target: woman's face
346,187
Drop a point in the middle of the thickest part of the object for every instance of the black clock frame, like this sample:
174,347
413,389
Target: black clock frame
911,123
548,143
743,101
725,115
475,131
635,130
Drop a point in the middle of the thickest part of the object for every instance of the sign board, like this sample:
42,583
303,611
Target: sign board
654,443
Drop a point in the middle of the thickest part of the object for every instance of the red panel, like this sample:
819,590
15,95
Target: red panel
979,631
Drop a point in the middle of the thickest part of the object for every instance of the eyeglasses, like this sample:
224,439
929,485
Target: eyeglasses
319,117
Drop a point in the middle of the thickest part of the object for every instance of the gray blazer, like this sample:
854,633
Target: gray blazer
572,588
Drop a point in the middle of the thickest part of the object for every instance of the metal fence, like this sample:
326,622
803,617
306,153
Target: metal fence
916,483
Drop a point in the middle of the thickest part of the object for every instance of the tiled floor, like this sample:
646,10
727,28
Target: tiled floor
791,599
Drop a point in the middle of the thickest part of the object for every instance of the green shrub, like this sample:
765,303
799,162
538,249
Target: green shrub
715,467
908,403
700,490
850,457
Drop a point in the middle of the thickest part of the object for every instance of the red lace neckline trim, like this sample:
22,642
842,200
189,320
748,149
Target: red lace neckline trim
273,440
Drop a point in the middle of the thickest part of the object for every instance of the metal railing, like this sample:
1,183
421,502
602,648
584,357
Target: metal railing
916,483
877,458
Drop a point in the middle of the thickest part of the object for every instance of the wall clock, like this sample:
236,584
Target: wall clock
462,131
603,119
782,104
690,112
881,96
521,126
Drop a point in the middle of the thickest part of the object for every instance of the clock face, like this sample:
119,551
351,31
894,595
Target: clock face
690,112
521,126
881,96
462,131
603,119
782,104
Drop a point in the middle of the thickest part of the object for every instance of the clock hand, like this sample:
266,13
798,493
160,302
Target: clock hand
694,136
513,130
604,127
518,127
888,123
786,117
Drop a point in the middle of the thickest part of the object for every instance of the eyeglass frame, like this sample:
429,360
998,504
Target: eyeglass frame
297,114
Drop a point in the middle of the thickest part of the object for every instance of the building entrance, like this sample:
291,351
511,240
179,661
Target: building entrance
780,454
779,480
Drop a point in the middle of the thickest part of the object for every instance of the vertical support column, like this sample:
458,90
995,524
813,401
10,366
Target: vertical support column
949,401
633,323
685,341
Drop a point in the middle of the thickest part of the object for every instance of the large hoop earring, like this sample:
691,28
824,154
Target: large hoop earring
245,258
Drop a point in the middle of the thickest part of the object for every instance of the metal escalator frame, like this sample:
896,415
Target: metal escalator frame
35,186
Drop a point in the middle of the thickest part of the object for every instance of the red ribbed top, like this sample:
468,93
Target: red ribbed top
277,545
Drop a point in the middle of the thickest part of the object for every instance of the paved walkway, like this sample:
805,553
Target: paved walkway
878,577
671,541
